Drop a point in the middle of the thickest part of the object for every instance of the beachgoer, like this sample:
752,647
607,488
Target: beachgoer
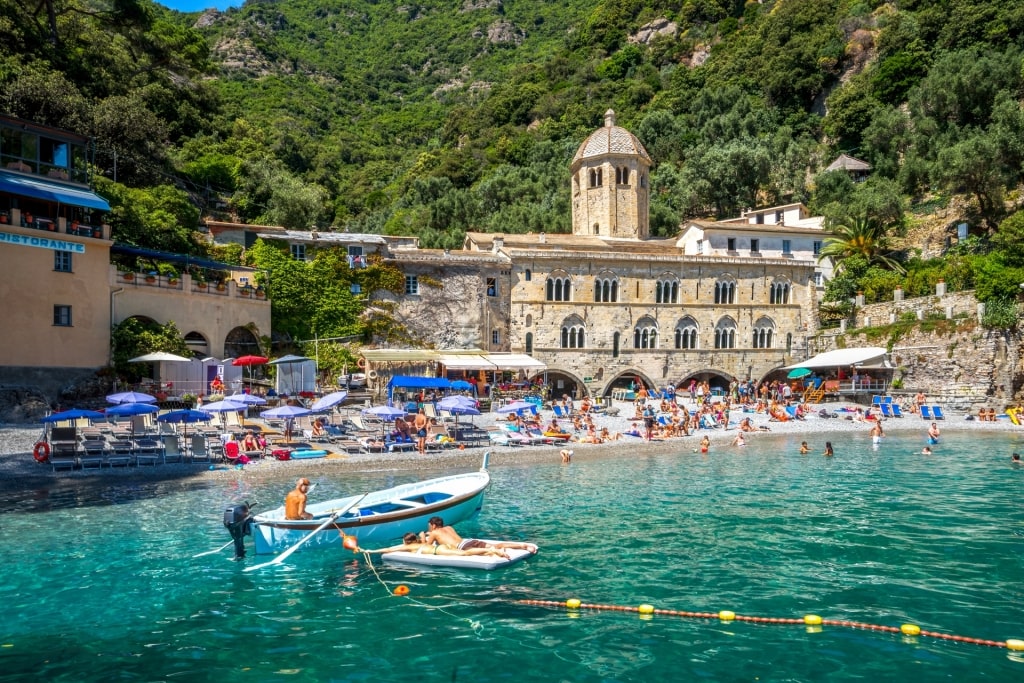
420,425
828,449
411,544
804,448
566,454
991,415
876,433
1015,458
318,430
926,451
250,443
739,441
920,399
437,532
933,434
705,444
295,501
746,425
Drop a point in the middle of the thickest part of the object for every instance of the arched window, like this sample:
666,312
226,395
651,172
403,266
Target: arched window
645,334
529,343
686,334
643,180
622,175
779,293
764,334
595,177
574,334
666,291
615,344
606,290
725,334
529,320
725,292
527,275
558,289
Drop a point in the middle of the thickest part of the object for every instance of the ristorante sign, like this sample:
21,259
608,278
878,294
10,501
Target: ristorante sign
42,242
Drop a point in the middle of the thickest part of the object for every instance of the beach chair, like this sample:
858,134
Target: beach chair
231,451
94,453
120,454
886,409
200,450
926,412
558,411
172,449
350,446
937,413
63,452
147,451
896,410
876,400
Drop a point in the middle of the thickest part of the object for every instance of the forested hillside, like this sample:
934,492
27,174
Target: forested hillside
442,116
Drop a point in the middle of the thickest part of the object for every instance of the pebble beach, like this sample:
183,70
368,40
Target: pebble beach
18,469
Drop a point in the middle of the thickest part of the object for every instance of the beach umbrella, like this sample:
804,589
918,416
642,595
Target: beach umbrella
131,397
329,401
515,407
458,405
131,409
249,361
247,399
289,413
185,417
159,357
461,385
386,414
224,406
73,414
797,373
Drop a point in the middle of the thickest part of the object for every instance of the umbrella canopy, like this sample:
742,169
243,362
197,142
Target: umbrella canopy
286,412
515,407
329,401
247,399
461,385
224,406
73,414
184,417
131,409
797,373
131,397
250,360
159,357
452,403
385,412
289,359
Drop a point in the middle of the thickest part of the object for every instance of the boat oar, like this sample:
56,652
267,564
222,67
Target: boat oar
287,553
211,552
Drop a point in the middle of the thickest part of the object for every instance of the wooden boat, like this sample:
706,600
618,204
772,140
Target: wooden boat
487,562
378,517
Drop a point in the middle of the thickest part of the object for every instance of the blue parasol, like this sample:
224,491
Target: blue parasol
130,397
329,401
73,414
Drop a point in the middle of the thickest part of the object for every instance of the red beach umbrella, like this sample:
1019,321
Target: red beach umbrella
250,361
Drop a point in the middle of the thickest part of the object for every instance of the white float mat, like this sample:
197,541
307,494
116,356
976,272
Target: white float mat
460,561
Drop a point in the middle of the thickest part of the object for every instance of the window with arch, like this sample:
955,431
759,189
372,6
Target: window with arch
529,343
764,334
779,293
527,275
574,334
725,334
621,175
596,179
645,334
606,290
666,291
616,338
558,289
643,180
725,292
686,334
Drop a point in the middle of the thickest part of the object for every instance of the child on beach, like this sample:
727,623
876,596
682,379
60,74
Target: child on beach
804,448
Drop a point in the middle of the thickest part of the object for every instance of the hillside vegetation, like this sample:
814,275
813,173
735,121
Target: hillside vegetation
441,116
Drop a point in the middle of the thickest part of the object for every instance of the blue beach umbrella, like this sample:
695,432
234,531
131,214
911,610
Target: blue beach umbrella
224,406
73,414
130,397
185,417
123,409
461,385
247,399
515,407
287,412
329,401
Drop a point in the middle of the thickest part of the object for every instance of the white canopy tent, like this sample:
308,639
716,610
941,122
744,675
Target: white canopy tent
871,356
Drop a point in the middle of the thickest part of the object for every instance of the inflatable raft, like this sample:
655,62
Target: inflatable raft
308,453
487,562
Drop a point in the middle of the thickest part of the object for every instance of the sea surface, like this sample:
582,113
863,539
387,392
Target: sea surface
101,583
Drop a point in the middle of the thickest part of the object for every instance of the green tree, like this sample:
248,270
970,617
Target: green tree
134,337
861,235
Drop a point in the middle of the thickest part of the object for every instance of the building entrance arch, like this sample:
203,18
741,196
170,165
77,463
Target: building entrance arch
560,383
629,380
716,379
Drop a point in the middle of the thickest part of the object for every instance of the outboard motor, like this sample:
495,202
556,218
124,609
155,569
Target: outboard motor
238,522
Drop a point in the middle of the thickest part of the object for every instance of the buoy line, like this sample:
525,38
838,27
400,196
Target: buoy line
810,620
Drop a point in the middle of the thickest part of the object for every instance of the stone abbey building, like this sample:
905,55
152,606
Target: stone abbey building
722,301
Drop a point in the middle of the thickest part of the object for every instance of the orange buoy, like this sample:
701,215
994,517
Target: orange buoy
401,589
350,543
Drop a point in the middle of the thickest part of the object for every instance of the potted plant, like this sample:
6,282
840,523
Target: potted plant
172,279
97,232
221,286
128,276
260,293
150,277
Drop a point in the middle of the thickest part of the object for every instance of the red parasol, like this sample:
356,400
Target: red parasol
250,361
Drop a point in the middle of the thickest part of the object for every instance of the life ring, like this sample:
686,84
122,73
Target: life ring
361,363
372,374
41,452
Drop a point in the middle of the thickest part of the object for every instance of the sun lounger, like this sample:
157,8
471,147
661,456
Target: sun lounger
200,449
120,454
876,400
94,453
172,449
886,409
926,412
63,454
896,411
350,446
937,413
147,451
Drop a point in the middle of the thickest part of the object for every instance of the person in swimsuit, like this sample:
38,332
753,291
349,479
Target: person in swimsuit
804,448
438,533
828,449
411,544
876,433
705,444
295,501
420,425
933,434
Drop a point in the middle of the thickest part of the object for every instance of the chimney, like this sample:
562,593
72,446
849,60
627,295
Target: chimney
542,238
498,244
609,118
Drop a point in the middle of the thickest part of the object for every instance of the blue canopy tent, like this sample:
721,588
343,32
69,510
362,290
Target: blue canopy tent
407,382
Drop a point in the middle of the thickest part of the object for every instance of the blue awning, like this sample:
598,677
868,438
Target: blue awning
38,188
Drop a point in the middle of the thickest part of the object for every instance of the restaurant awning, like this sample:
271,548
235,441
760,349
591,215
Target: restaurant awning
515,361
398,355
50,191
465,362
861,357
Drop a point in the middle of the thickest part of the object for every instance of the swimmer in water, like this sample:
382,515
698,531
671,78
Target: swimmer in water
926,451
933,434
828,449
804,448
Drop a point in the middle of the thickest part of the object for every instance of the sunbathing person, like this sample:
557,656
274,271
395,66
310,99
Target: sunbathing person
746,425
437,532
412,545
991,415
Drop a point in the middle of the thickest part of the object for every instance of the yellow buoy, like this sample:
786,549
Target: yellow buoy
572,603
645,609
812,620
726,615
910,630
1015,645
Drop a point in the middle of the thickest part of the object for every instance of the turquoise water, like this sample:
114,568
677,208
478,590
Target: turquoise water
100,584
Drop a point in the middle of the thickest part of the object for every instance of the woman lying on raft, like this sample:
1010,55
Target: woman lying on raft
411,544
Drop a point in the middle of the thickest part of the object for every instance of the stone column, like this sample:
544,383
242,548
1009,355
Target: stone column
897,294
940,288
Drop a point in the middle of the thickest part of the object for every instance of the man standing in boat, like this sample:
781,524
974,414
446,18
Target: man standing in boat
438,533
295,501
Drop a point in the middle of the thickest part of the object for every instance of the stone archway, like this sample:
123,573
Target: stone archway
715,378
561,382
198,344
627,380
241,341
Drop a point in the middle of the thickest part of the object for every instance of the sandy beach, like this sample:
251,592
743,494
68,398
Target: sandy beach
19,471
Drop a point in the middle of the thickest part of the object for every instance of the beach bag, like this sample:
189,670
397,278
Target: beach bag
282,454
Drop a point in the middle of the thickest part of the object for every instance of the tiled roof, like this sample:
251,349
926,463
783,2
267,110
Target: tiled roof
610,139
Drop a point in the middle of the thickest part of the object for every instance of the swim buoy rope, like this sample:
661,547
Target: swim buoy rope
41,452
813,621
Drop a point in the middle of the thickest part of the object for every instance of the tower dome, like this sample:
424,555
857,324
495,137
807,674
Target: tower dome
610,139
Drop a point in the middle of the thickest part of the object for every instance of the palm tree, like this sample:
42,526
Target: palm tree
860,235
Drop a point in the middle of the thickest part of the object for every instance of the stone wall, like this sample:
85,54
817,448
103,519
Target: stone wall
947,304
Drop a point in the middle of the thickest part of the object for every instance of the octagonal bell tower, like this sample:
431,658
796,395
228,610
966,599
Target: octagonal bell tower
610,184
